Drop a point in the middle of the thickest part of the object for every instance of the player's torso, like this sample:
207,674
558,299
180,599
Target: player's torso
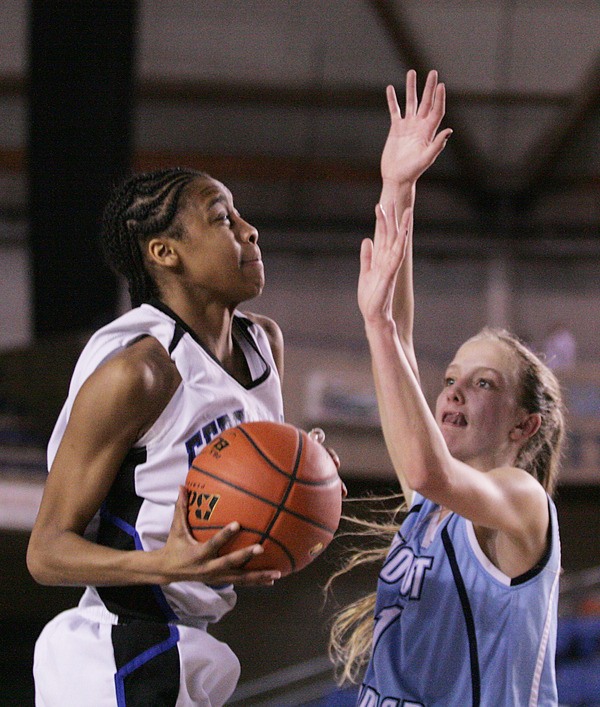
138,511
208,401
452,630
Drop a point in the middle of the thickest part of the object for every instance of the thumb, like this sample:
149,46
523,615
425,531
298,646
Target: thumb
180,520
366,254
439,142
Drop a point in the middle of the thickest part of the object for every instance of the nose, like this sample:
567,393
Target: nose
455,393
247,232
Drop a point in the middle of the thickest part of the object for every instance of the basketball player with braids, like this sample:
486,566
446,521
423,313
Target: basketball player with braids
149,390
465,611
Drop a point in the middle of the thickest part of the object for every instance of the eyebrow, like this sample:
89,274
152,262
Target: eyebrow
218,199
479,369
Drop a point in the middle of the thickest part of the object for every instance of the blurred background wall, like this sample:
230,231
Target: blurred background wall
284,101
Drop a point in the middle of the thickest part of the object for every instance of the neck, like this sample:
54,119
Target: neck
211,323
493,460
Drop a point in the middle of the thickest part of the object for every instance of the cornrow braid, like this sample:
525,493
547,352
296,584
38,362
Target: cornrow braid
143,206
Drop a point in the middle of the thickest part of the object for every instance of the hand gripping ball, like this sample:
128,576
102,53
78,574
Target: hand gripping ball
279,483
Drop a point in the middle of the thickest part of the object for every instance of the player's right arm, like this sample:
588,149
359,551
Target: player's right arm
113,408
412,146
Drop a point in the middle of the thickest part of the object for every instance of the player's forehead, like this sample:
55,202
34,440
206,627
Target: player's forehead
205,192
488,355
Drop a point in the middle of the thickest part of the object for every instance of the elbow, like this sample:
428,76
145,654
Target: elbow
431,481
37,564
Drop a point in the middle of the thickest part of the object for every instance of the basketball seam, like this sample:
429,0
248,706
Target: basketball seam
278,507
304,482
256,532
266,458
291,480
263,499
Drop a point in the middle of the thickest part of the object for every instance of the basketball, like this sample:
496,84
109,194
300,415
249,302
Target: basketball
280,485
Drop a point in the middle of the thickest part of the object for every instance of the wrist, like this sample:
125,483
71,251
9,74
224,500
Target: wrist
398,181
378,327
402,192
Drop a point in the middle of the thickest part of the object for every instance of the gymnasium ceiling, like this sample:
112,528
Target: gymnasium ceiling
284,101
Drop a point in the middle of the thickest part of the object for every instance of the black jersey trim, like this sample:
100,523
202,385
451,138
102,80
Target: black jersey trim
118,517
243,326
147,662
413,509
468,615
182,328
538,567
177,337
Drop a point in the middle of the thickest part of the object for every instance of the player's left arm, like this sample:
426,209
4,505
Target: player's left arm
274,335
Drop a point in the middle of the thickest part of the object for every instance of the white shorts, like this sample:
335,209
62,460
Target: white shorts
84,658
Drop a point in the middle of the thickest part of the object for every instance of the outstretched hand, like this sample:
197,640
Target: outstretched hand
380,260
185,558
413,142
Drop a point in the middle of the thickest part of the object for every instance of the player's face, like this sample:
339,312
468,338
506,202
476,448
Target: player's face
477,408
219,250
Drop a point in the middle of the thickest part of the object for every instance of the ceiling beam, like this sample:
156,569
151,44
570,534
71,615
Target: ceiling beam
474,173
270,168
260,168
348,96
542,160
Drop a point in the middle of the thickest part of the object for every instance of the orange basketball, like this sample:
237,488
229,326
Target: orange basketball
277,482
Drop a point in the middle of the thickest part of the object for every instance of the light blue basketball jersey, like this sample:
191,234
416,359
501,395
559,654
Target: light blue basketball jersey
452,630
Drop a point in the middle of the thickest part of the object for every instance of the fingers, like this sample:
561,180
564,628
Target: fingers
438,108
429,96
392,101
223,536
366,255
230,568
433,100
411,93
391,239
406,219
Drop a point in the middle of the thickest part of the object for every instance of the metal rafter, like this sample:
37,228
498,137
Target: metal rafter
474,173
540,165
349,96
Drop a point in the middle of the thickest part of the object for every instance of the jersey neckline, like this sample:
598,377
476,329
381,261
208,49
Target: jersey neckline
240,333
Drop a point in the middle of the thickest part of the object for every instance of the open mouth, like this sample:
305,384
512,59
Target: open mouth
454,419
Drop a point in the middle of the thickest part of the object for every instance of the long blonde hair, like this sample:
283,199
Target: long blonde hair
351,631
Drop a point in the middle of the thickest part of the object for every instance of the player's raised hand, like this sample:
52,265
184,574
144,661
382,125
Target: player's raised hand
380,260
413,142
184,558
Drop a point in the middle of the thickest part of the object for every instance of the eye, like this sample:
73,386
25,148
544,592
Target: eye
223,217
448,381
484,383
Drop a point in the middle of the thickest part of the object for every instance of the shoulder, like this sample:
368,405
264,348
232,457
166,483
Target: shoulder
274,336
523,536
137,383
143,366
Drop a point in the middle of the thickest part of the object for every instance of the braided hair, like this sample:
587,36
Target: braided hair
144,205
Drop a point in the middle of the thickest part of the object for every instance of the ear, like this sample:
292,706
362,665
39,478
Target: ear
527,427
160,251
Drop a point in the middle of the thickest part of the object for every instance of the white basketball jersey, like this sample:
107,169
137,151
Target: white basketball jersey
138,511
